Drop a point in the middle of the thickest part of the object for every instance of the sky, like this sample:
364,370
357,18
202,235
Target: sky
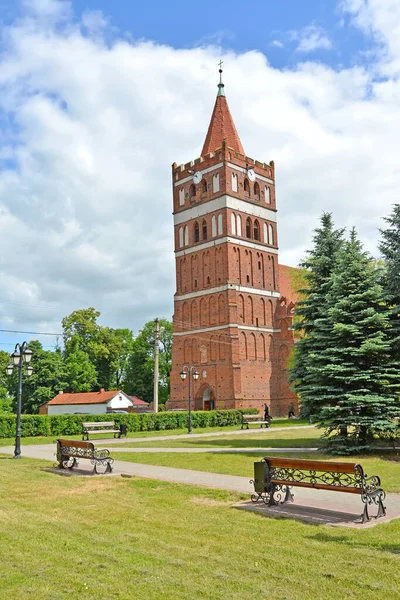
99,98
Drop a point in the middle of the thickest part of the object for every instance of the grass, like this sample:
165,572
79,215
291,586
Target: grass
242,464
108,538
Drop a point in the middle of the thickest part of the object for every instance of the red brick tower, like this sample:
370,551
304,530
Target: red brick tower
229,320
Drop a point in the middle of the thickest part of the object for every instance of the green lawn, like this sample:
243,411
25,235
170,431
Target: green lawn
386,467
104,538
305,437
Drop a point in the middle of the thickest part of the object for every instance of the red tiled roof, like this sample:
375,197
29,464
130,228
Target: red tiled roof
285,283
84,398
221,128
137,401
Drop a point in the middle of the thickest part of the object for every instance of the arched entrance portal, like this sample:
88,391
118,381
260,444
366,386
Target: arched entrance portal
208,399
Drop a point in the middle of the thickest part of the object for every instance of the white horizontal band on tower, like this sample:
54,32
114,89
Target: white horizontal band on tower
225,201
232,240
217,327
229,286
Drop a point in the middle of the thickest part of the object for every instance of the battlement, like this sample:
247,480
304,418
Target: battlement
224,153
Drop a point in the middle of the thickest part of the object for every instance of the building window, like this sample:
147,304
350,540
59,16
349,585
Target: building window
192,191
220,224
233,224
256,191
204,230
266,237
248,228
180,237
271,235
234,182
196,232
181,197
186,235
246,186
267,195
204,186
256,230
216,183
208,280
214,226
239,225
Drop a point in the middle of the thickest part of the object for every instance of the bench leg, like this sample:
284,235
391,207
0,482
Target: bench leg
381,508
365,516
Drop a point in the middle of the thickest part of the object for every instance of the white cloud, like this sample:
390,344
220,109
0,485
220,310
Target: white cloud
311,38
85,218
277,44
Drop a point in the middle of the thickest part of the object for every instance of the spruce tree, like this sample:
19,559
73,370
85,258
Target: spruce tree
390,249
308,313
355,370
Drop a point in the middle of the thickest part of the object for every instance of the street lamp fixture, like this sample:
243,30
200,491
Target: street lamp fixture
21,355
195,374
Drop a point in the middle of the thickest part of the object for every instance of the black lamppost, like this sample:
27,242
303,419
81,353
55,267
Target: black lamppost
21,355
191,371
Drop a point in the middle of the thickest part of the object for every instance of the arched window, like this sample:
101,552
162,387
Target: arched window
220,224
256,191
214,226
243,346
192,191
266,237
239,225
204,186
234,182
256,230
180,237
248,227
181,197
246,186
216,183
196,231
204,230
233,224
186,235
267,195
271,235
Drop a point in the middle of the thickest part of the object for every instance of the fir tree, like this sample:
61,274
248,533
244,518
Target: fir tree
309,311
355,372
390,249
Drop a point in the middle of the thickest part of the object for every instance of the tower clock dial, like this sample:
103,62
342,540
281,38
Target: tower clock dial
197,177
251,174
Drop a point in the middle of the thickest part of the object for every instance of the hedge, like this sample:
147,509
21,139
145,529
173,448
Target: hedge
45,425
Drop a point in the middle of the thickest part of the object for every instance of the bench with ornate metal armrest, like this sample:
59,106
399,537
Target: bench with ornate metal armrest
256,420
70,451
102,427
274,477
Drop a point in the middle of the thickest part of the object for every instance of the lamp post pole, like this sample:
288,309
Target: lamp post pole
192,372
21,355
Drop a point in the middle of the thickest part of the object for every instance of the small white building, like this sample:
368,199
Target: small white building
94,403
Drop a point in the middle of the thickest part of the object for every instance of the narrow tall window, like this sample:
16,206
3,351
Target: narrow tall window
204,186
246,186
220,224
267,195
248,228
234,182
239,225
216,183
196,232
204,230
214,226
180,237
233,223
266,237
181,197
271,235
256,191
186,235
256,230
192,191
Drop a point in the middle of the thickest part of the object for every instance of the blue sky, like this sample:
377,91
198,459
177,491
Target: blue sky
92,116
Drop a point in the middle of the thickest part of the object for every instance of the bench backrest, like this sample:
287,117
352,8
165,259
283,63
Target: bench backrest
98,424
75,448
251,416
313,465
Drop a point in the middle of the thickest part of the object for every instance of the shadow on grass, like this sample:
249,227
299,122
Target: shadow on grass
258,443
351,542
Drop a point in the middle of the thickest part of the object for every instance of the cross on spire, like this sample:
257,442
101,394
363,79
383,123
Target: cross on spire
221,86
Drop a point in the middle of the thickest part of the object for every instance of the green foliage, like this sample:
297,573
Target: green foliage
57,425
310,309
390,249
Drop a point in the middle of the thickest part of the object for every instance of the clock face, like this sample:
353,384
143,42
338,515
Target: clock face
197,177
251,174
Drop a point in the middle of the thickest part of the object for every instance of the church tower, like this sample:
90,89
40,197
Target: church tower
230,321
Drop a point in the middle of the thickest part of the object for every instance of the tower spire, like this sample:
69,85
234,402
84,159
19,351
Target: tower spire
221,128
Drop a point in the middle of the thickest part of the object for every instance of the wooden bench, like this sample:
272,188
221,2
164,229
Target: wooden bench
274,478
102,427
255,420
70,451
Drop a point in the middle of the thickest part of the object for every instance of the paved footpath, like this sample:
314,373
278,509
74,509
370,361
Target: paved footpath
320,507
